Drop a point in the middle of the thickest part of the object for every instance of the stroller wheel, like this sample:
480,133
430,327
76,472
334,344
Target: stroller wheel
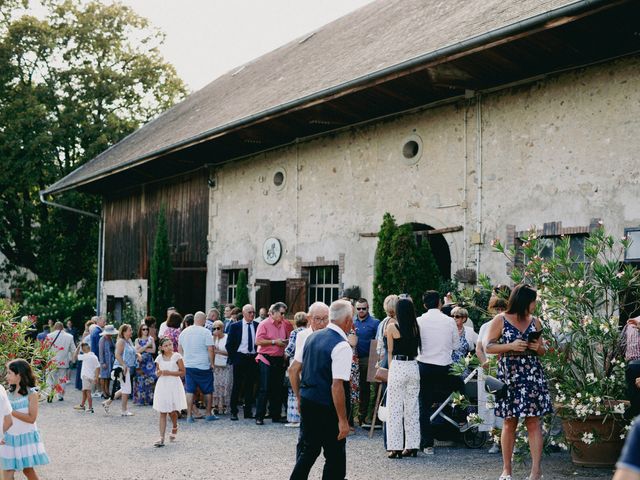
473,438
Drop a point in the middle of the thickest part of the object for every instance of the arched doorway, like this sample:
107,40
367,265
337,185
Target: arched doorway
439,247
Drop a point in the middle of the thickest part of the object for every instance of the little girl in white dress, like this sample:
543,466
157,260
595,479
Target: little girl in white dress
169,396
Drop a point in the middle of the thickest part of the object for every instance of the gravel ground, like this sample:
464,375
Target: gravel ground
85,446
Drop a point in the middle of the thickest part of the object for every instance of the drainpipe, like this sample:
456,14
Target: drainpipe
100,240
478,238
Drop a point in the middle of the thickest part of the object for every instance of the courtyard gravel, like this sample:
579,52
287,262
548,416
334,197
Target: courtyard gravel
96,446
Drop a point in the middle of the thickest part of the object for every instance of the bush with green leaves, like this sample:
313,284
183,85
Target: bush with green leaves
402,265
15,343
48,301
580,300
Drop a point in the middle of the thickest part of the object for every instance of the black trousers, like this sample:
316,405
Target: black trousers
435,386
271,378
245,375
319,431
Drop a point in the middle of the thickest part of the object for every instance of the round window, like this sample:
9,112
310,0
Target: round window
279,178
411,149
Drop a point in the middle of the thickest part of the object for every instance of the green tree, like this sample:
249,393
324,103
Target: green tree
161,271
242,291
73,82
382,279
413,268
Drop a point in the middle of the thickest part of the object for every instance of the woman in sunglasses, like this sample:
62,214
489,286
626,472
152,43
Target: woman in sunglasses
221,370
145,380
468,337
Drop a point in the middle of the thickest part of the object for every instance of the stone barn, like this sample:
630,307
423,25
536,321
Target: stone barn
470,120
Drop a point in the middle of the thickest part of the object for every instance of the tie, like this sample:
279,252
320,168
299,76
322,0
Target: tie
249,339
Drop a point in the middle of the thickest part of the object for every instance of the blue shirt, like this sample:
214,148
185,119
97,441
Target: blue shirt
630,458
365,331
94,340
195,341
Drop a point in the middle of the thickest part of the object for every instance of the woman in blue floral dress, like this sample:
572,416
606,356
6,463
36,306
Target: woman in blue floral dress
146,377
520,368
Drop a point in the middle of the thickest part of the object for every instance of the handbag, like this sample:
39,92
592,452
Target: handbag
383,410
382,375
495,387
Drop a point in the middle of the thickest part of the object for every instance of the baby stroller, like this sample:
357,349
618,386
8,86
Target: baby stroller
449,423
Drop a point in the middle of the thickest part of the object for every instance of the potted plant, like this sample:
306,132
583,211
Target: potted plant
580,299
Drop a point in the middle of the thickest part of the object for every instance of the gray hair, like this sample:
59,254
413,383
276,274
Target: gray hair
340,310
210,313
460,311
318,306
199,318
246,308
277,306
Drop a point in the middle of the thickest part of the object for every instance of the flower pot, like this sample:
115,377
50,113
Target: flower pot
606,447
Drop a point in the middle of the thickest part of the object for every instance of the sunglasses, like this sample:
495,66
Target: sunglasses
459,316
217,328
145,329
360,309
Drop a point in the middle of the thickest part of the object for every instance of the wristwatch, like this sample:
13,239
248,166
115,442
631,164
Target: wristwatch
273,342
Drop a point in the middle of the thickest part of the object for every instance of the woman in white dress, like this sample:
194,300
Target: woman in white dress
169,396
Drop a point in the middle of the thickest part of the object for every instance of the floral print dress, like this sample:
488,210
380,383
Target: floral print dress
527,390
146,378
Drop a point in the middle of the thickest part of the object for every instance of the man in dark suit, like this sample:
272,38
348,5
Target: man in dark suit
326,369
241,348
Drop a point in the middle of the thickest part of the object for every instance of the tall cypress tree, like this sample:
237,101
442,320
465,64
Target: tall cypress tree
382,279
242,291
161,271
413,268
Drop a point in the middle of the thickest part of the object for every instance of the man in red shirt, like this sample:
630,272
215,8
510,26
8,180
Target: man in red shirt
272,337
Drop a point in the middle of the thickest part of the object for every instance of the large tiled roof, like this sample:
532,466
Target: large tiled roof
373,38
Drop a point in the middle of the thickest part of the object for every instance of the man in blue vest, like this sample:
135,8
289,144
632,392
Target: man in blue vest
324,389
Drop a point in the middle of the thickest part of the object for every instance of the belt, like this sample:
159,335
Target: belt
402,357
526,353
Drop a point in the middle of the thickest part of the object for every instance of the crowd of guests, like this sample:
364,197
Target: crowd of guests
224,363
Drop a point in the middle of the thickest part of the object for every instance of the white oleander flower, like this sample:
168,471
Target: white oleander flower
619,408
590,377
587,438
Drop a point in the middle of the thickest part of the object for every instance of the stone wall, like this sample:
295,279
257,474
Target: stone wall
562,149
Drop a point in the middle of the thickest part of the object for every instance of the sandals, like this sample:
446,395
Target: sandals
504,477
172,435
159,443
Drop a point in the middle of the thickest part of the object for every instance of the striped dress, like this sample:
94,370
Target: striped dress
23,447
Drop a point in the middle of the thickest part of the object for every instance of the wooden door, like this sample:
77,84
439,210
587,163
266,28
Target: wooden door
263,294
296,298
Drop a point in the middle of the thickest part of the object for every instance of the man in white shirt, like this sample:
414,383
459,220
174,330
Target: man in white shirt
439,337
195,344
63,345
323,396
163,325
318,318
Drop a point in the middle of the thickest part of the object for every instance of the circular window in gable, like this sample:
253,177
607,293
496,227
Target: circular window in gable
411,149
279,178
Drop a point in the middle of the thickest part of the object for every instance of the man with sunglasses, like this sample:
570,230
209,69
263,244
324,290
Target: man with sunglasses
366,328
272,337
241,348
